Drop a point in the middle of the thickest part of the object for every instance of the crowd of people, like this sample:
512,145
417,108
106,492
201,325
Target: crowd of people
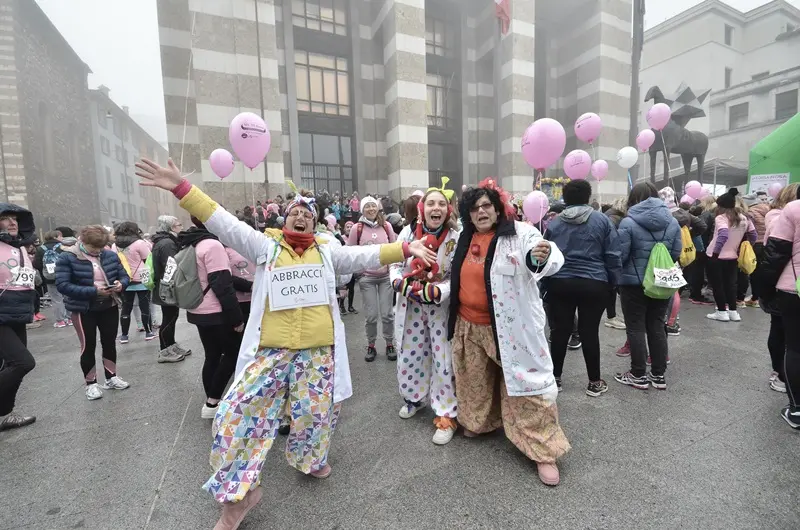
477,306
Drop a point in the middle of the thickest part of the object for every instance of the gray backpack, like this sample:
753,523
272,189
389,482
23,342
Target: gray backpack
180,285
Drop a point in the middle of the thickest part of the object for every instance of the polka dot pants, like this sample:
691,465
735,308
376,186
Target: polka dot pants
424,362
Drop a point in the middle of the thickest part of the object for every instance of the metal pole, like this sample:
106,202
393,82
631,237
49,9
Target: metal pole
715,177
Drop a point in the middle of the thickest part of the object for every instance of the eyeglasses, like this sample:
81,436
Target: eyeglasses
485,207
297,212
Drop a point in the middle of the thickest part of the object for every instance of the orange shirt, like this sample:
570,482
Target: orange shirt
472,291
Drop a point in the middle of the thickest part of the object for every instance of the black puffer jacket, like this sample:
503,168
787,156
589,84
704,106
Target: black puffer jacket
16,307
165,245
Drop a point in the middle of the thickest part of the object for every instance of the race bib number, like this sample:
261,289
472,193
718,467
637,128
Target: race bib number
144,276
298,286
50,268
670,278
23,277
169,270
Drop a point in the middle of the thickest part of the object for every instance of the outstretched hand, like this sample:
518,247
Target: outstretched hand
151,174
419,250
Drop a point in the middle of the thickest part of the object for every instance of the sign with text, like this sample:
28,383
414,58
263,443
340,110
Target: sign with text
762,182
669,278
297,286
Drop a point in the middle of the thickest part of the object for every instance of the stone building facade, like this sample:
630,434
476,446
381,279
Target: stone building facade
386,96
47,160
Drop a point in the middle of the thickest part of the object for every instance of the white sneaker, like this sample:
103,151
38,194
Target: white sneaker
777,385
721,316
615,323
442,436
208,413
115,383
93,392
406,411
773,376
734,316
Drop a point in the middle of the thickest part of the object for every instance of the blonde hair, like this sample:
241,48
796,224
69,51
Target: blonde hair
620,204
787,195
709,203
741,207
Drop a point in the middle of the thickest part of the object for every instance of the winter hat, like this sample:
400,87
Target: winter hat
369,200
751,199
668,196
728,199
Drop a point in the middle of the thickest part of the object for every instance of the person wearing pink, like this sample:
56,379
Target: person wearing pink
781,281
243,273
375,285
731,228
219,317
135,249
355,205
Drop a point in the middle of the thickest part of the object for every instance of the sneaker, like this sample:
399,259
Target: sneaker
625,351
778,386
408,410
208,413
69,322
38,317
548,474
734,316
325,472
140,329
115,383
773,376
792,418
673,331
574,342
445,429
701,301
352,310
233,513
60,324
720,316
391,354
33,325
123,339
93,392
751,303
615,323
596,388
558,384
631,380
741,304
13,420
371,353
657,381
180,351
286,426
150,335
169,355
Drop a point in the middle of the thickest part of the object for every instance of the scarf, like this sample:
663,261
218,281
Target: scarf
421,230
299,242
16,242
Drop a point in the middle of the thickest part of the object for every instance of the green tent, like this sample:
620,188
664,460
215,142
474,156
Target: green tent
776,158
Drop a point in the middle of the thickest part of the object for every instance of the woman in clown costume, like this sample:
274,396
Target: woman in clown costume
424,367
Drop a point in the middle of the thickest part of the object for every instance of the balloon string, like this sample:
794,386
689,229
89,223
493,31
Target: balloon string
666,160
630,182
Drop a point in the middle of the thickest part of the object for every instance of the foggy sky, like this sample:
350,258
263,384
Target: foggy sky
118,39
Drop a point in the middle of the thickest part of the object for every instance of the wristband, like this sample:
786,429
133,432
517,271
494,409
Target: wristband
406,250
182,189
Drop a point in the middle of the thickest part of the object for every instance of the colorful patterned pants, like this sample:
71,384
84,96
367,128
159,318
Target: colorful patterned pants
424,363
249,416
530,422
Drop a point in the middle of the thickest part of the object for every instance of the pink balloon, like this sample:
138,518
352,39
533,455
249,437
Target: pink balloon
645,140
577,164
250,138
658,116
774,189
600,169
418,193
588,127
705,193
221,162
687,198
543,143
693,189
535,206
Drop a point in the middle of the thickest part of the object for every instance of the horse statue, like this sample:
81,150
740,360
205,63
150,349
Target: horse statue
679,140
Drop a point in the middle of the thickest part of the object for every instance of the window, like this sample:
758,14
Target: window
442,101
117,128
438,37
789,27
442,162
121,154
738,115
105,146
142,192
109,182
112,207
785,105
326,163
129,181
123,180
48,155
728,35
728,75
761,75
101,117
322,83
143,214
329,16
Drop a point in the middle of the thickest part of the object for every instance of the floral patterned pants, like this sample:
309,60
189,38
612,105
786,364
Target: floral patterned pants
248,418
530,422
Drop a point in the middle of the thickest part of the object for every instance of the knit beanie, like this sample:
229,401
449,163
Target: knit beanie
369,200
728,199
667,195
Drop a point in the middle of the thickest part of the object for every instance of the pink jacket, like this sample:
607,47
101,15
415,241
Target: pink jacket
241,268
372,234
787,228
137,253
769,222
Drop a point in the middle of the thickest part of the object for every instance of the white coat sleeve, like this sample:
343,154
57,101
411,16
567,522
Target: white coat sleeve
396,270
529,238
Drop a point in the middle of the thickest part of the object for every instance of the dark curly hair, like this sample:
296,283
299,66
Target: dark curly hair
470,198
127,228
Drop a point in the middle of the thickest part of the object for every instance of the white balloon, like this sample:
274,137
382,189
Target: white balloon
627,157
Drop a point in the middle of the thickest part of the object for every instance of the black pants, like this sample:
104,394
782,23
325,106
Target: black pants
127,306
789,305
776,343
351,292
611,308
86,326
696,276
755,285
723,275
169,319
221,344
742,283
17,361
590,298
644,322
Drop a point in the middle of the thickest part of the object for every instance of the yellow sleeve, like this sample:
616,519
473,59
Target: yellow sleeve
198,204
391,253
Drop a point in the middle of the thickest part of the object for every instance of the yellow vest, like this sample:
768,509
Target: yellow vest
302,328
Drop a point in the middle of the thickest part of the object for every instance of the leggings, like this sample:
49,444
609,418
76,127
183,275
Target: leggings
776,344
789,305
723,274
17,361
611,308
86,326
221,344
127,306
169,319
351,291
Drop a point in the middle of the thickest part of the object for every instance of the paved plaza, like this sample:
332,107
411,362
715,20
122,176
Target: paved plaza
709,453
